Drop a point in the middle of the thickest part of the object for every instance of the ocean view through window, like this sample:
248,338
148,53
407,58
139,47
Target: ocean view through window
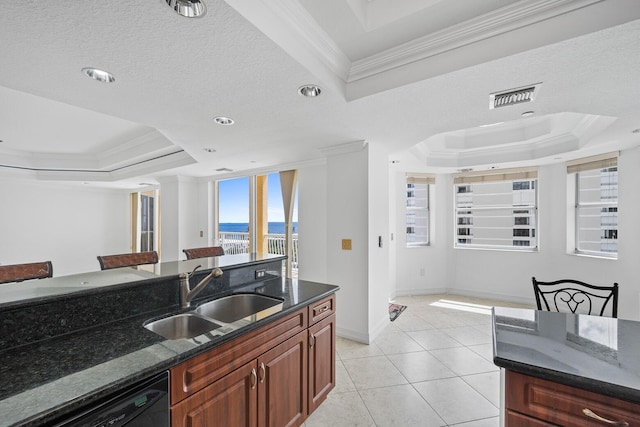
251,216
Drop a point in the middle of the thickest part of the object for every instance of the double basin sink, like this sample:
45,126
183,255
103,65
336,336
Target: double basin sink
215,314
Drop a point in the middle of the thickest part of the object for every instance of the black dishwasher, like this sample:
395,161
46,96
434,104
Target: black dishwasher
145,404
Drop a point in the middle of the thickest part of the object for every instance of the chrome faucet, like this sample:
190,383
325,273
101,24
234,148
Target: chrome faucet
186,293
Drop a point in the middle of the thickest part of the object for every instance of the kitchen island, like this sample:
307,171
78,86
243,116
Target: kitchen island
67,350
567,369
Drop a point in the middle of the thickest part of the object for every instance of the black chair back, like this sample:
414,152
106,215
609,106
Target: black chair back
568,295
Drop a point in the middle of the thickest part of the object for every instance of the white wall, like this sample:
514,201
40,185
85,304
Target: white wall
347,218
423,269
67,224
378,221
183,214
312,223
507,275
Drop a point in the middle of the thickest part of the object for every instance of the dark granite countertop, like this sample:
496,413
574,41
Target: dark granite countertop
42,381
31,291
598,354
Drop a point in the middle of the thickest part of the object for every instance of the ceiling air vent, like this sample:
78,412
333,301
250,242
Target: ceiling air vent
514,96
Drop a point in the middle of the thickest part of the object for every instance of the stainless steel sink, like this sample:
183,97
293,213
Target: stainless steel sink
185,325
235,307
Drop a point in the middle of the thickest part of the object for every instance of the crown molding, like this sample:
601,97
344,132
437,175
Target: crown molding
297,17
339,149
503,20
147,166
289,25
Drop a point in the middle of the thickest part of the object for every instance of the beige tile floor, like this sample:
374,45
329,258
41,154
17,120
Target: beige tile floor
431,367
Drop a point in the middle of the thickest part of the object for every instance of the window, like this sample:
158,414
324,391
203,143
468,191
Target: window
523,232
147,223
257,213
596,205
498,210
144,221
417,208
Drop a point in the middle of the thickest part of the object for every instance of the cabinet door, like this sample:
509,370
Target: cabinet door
230,401
322,361
282,388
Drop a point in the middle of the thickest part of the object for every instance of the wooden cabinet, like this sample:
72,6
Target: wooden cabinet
273,376
282,384
532,401
322,351
229,401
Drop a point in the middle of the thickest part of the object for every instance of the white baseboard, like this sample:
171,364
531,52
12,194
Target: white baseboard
466,293
377,330
352,335
498,297
417,291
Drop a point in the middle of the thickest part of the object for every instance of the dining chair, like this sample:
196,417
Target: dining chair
577,297
203,252
21,272
127,260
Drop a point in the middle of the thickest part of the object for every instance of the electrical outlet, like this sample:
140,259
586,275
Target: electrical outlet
260,274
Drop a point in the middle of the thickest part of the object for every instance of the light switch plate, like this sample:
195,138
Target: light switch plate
346,244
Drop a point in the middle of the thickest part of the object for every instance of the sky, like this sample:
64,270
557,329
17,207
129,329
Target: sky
234,200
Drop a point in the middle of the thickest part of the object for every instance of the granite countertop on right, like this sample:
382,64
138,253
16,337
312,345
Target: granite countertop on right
598,354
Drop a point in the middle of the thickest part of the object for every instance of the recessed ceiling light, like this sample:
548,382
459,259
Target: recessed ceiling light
188,8
209,150
225,121
310,91
99,75
528,113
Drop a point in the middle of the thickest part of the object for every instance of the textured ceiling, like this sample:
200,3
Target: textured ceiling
400,81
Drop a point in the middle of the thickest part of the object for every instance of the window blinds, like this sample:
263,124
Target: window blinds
513,174
608,160
421,178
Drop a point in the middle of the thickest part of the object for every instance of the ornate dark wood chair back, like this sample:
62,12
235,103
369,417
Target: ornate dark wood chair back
204,252
127,260
576,297
20,272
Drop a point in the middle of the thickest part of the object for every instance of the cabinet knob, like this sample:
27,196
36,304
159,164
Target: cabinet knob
263,372
254,378
589,413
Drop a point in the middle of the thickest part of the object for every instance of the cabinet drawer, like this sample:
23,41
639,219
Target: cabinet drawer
322,309
565,405
515,419
195,374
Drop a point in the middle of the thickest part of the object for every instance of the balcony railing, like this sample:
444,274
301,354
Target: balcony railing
238,243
